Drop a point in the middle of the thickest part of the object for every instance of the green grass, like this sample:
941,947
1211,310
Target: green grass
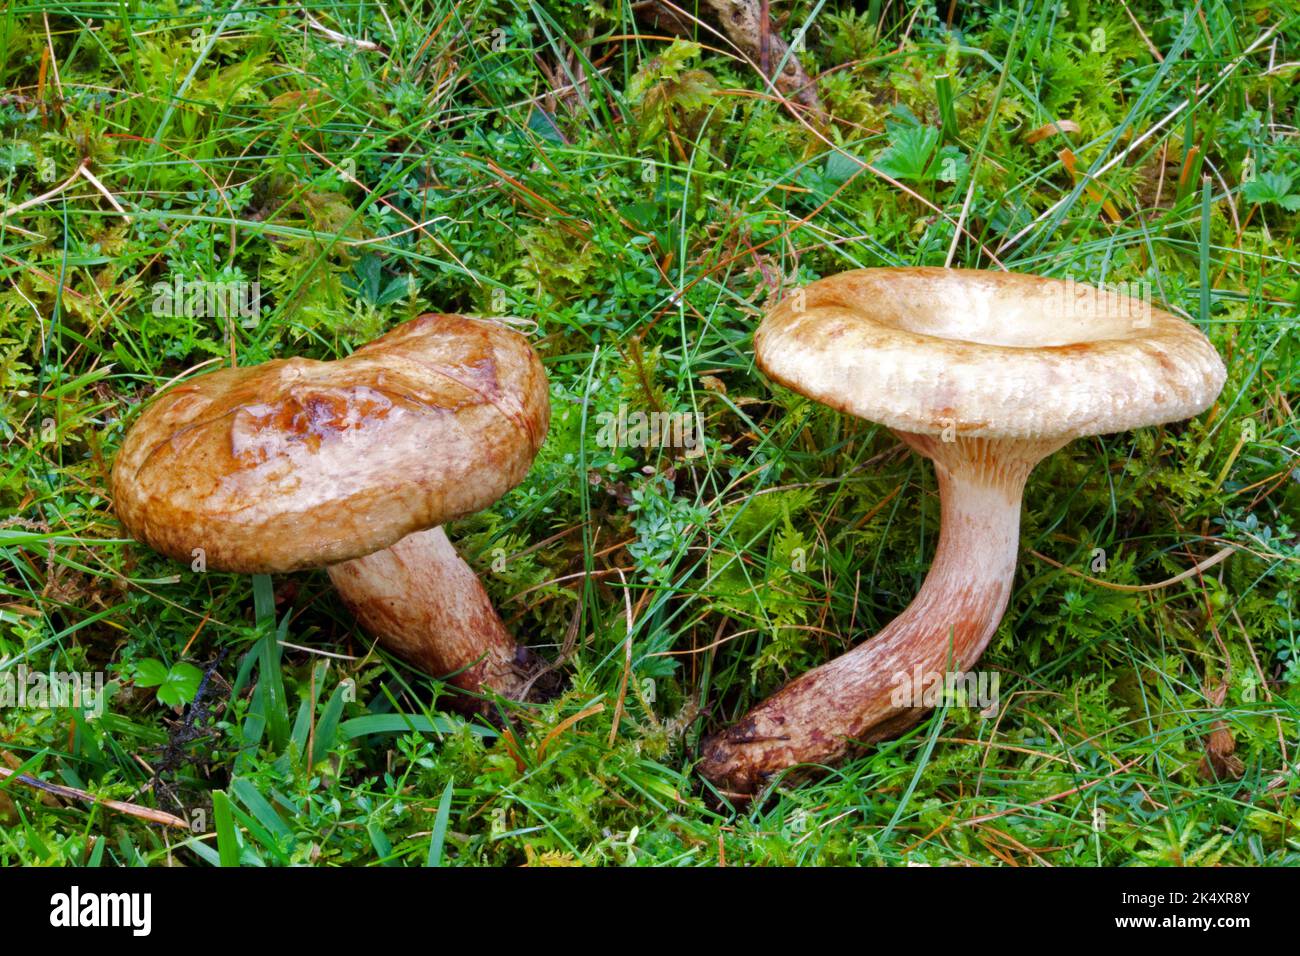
642,202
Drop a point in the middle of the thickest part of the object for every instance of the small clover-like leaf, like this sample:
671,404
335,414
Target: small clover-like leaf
176,685
910,153
181,685
150,672
1272,187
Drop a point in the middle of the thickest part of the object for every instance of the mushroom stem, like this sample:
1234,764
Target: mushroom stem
871,692
425,604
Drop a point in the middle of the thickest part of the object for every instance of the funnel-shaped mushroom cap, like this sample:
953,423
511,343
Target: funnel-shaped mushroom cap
988,354
297,463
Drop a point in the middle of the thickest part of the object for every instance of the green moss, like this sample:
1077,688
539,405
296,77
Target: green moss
642,202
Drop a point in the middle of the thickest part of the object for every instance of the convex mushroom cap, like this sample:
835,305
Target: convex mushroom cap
987,354
297,463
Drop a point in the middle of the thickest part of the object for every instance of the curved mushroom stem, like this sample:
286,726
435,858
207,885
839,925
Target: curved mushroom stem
425,604
871,692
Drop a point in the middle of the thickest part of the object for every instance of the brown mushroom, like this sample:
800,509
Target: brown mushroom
985,374
353,465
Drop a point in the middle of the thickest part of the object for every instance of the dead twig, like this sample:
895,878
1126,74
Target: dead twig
72,793
1205,565
746,25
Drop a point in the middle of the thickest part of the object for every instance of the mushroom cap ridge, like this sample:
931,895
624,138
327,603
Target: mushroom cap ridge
991,354
297,463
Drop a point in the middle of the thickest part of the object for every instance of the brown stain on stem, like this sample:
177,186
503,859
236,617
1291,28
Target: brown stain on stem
855,699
